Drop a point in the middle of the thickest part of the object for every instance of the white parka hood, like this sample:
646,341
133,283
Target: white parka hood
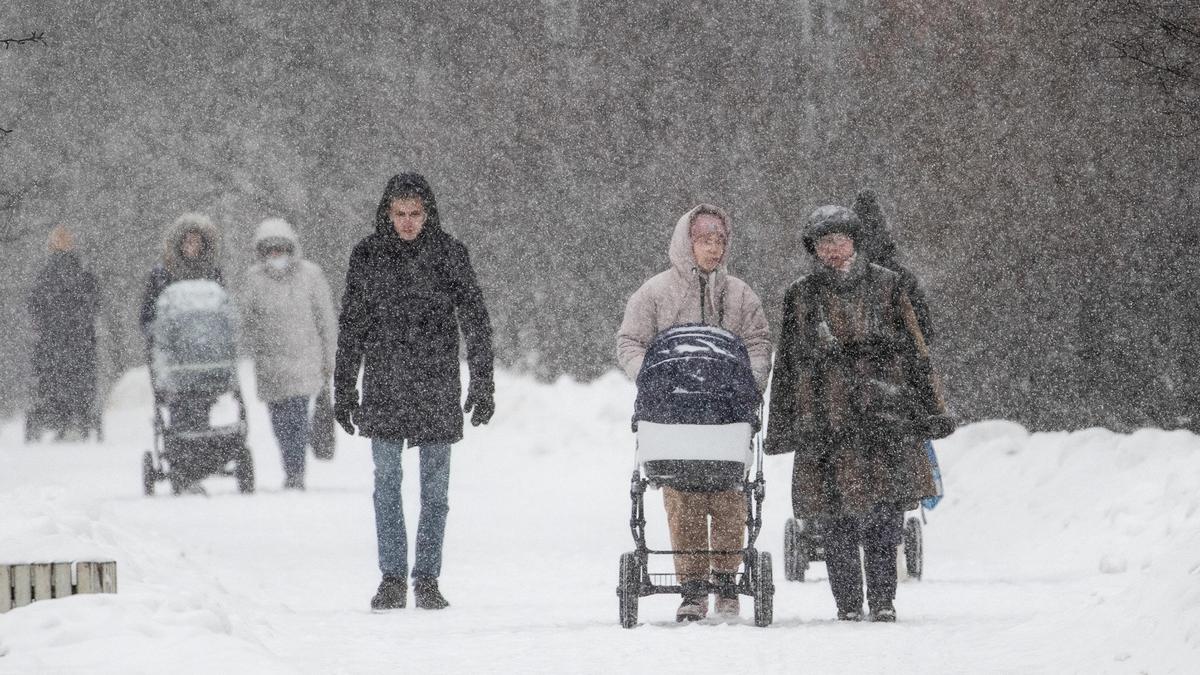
279,229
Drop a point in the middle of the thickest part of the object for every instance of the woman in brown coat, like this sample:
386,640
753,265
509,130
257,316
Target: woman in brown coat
854,396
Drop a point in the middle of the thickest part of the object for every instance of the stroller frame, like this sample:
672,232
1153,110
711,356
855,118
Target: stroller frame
161,463
635,581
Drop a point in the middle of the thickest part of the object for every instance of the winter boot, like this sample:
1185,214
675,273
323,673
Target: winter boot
850,615
695,602
426,594
884,613
727,604
392,594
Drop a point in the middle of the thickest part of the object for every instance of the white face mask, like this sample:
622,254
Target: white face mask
279,263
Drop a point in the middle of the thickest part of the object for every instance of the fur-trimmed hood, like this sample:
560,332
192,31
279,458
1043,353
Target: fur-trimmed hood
173,239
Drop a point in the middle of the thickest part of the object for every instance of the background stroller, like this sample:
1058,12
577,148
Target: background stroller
696,419
193,363
803,540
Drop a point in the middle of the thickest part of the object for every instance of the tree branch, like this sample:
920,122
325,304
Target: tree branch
33,38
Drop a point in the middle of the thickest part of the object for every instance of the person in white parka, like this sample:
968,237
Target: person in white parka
290,331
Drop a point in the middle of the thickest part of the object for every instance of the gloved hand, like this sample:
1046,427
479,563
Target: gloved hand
343,411
939,426
480,404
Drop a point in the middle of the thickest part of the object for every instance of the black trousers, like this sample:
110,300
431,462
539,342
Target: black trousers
878,532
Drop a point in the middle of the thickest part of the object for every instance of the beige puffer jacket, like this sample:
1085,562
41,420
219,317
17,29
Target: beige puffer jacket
673,297
289,325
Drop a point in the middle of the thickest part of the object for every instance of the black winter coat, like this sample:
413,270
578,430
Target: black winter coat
401,313
63,304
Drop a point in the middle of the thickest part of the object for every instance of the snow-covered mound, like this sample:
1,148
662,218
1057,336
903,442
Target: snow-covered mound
1059,552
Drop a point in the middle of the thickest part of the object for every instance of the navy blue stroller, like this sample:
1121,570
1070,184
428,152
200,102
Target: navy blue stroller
697,420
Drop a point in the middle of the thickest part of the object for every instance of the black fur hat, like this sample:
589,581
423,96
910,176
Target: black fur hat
828,220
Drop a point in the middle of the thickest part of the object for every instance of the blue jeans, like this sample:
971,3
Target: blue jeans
389,509
289,420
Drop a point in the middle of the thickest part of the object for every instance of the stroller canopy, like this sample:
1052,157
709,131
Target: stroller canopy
194,338
696,374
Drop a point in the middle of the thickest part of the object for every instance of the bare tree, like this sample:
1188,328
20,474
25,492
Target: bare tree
1162,39
33,38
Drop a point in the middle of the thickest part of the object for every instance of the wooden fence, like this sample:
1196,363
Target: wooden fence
22,584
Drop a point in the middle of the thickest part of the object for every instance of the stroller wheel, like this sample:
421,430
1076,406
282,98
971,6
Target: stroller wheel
914,548
763,585
795,559
629,582
148,474
244,473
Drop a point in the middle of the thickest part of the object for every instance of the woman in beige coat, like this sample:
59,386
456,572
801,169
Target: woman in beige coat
291,332
698,288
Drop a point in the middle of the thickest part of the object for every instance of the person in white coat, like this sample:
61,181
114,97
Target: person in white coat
290,331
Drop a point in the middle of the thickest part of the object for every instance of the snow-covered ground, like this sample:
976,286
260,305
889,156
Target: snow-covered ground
1068,552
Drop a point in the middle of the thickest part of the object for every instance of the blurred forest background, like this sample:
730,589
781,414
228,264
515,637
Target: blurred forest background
1039,176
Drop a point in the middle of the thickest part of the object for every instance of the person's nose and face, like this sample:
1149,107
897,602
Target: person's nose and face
192,245
835,250
408,217
708,248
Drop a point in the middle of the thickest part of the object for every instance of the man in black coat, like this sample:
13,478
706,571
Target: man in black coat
410,288
63,304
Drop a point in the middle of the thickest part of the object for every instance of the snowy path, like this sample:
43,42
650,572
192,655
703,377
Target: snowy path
1054,553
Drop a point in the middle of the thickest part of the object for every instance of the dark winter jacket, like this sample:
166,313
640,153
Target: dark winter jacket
853,393
63,304
175,267
403,307
875,243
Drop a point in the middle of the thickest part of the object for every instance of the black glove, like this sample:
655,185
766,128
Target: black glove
481,405
343,411
939,426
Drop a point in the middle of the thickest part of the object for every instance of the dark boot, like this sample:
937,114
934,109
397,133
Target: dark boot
695,602
850,615
727,604
884,613
426,594
392,594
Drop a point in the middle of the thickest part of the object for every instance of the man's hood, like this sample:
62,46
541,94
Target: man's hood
407,185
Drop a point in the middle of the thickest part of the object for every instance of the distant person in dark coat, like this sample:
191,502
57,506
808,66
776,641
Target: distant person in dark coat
410,289
63,304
